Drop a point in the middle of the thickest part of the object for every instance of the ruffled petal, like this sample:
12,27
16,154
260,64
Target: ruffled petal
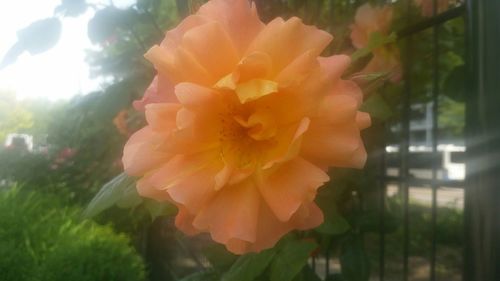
334,66
349,88
212,48
142,152
146,189
194,96
298,70
339,146
174,36
289,186
363,120
232,214
184,222
161,116
200,114
270,229
161,90
238,17
337,109
284,41
195,190
288,143
309,216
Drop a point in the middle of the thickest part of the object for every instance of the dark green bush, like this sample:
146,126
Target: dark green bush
41,240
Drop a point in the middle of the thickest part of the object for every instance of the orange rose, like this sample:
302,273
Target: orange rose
243,121
367,21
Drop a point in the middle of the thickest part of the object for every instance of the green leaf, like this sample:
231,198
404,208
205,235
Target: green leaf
109,194
41,35
334,225
105,24
454,86
307,274
353,260
182,7
376,41
335,277
157,209
129,198
72,8
36,38
202,276
371,77
370,222
219,257
290,259
377,107
249,266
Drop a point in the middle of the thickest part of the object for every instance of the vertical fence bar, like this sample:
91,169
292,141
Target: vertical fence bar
435,131
327,262
404,147
408,34
482,191
405,143
313,263
382,194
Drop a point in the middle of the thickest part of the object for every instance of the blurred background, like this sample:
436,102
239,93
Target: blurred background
69,72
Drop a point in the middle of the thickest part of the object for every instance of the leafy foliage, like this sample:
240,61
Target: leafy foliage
41,240
72,8
13,116
354,260
290,259
249,266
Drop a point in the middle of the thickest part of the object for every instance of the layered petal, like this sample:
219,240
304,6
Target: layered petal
333,138
238,17
159,91
291,185
284,41
141,153
232,214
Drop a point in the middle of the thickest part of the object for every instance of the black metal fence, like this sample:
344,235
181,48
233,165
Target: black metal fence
404,180
401,162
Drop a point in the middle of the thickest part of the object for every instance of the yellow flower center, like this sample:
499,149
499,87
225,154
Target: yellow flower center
244,137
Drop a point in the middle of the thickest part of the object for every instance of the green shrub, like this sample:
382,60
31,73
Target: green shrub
41,240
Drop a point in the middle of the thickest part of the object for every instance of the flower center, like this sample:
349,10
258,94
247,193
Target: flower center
244,140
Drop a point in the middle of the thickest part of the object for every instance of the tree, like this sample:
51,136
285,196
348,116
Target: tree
14,118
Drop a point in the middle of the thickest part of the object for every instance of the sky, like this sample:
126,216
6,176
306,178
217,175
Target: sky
59,73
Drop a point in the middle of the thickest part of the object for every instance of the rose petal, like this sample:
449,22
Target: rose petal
238,17
161,116
212,48
283,41
142,153
161,90
292,184
146,189
231,214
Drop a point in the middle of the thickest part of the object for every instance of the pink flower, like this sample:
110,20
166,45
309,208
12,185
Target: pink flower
244,119
368,20
427,6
